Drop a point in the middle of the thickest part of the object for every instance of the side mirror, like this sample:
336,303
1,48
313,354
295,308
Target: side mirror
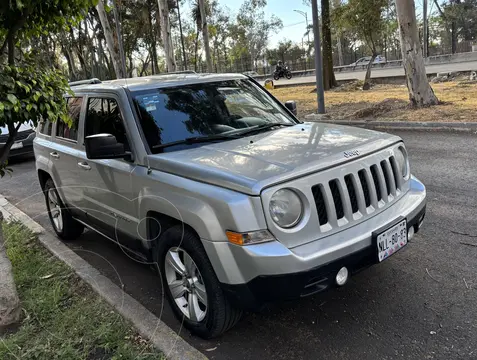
291,105
103,146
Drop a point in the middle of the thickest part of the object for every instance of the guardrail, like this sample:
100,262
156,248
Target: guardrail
432,60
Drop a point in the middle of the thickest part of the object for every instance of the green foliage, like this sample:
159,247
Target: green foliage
364,18
285,51
463,16
31,93
252,30
41,17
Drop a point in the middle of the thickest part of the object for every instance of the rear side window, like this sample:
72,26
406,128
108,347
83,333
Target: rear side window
45,127
104,117
74,111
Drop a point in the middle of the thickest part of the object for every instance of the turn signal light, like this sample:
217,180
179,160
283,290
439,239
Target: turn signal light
249,238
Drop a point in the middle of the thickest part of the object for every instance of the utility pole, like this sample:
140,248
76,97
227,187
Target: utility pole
307,32
120,39
425,30
318,59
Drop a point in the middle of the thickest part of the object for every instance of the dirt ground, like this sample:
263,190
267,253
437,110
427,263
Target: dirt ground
387,102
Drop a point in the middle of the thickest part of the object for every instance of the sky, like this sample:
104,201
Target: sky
294,25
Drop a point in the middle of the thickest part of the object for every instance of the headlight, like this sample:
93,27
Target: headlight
286,208
402,161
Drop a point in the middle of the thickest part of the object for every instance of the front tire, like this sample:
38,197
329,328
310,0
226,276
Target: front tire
289,75
61,220
191,286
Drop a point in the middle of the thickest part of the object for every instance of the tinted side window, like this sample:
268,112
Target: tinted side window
74,111
45,127
104,117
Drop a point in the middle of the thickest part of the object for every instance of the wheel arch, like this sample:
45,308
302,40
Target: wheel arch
43,176
157,223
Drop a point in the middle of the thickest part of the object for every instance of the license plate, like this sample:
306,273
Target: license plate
17,145
391,240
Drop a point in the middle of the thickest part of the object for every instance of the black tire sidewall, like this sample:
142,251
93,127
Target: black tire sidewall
49,185
215,297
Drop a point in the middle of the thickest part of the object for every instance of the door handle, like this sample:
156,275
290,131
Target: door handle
84,166
55,155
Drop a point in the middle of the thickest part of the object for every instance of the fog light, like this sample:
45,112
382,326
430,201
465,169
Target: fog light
342,276
410,233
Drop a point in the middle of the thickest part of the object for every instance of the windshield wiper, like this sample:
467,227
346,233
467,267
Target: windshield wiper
260,128
195,140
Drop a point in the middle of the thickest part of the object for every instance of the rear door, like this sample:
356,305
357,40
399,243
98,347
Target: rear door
64,152
106,194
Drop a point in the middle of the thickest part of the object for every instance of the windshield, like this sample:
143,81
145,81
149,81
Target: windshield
227,107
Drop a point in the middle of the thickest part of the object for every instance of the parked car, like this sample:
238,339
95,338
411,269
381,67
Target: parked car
23,144
365,60
235,200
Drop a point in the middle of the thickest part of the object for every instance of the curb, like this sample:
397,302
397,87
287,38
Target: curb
399,125
147,324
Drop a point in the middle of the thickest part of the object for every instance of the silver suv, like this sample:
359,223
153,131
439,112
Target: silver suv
219,185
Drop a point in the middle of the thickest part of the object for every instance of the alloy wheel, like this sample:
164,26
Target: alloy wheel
186,284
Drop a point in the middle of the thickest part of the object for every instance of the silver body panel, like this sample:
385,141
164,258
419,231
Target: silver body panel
227,186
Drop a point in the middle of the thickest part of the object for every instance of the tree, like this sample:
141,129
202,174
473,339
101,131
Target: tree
420,92
329,79
108,34
253,29
28,92
166,34
365,19
205,35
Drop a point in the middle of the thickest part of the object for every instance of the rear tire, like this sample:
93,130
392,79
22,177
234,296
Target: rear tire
276,76
61,220
216,314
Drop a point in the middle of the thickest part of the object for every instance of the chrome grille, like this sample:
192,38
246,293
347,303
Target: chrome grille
355,195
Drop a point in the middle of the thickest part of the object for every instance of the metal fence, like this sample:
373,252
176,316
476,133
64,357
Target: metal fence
264,66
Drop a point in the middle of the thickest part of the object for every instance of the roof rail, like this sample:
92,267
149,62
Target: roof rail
176,73
85,82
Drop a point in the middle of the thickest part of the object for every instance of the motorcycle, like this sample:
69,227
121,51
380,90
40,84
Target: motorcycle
283,72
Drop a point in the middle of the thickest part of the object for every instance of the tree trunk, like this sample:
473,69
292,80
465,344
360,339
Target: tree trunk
184,57
10,309
329,79
196,49
152,49
367,77
11,49
339,45
108,34
453,37
70,61
420,92
119,40
205,36
166,34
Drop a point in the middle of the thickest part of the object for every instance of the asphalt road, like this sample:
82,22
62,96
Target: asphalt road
379,73
419,304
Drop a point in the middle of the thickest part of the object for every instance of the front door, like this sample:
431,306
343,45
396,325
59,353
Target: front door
107,198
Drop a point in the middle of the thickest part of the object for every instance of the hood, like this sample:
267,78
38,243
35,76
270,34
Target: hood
252,163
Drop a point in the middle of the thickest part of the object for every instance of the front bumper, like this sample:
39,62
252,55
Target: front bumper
256,274
264,289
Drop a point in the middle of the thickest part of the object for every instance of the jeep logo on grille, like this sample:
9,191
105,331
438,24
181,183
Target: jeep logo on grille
351,153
